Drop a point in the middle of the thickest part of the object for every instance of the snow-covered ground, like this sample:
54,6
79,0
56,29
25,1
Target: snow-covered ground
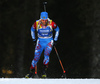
48,81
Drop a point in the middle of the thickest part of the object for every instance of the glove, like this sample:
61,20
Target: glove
34,41
55,43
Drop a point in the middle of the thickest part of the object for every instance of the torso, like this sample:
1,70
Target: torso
45,31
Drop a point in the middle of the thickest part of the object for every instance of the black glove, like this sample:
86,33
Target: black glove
55,43
34,41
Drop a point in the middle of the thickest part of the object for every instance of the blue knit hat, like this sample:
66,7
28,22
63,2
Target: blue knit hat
44,15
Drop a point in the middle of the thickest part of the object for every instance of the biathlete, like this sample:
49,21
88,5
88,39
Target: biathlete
44,27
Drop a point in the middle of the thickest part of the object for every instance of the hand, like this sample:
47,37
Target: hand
55,43
34,41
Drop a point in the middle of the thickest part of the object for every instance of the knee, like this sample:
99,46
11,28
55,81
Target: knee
36,58
46,60
33,64
47,52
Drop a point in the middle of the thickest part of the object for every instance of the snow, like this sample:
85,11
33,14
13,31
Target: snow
48,81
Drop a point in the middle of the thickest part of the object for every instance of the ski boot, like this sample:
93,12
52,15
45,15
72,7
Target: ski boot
44,75
31,74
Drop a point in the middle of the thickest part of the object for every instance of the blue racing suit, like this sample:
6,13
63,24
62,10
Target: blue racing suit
45,40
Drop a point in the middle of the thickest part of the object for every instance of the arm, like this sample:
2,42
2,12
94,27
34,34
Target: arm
56,33
33,28
56,28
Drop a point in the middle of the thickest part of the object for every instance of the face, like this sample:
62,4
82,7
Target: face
44,22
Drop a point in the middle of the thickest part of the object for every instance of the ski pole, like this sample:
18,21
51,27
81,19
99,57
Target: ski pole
36,75
59,60
35,69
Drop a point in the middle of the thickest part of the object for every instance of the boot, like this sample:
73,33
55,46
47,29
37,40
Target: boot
31,73
44,75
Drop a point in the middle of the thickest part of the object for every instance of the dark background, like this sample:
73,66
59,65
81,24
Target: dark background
78,45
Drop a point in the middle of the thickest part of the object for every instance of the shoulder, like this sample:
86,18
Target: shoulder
35,24
54,25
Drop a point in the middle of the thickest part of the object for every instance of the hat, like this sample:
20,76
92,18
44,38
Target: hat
44,15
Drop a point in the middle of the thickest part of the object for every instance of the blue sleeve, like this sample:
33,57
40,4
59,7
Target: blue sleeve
56,33
33,33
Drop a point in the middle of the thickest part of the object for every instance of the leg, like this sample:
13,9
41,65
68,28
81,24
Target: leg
46,58
38,51
47,52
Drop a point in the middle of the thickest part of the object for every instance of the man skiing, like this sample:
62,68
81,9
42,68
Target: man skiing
44,27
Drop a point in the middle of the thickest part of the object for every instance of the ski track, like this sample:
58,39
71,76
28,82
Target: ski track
48,81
